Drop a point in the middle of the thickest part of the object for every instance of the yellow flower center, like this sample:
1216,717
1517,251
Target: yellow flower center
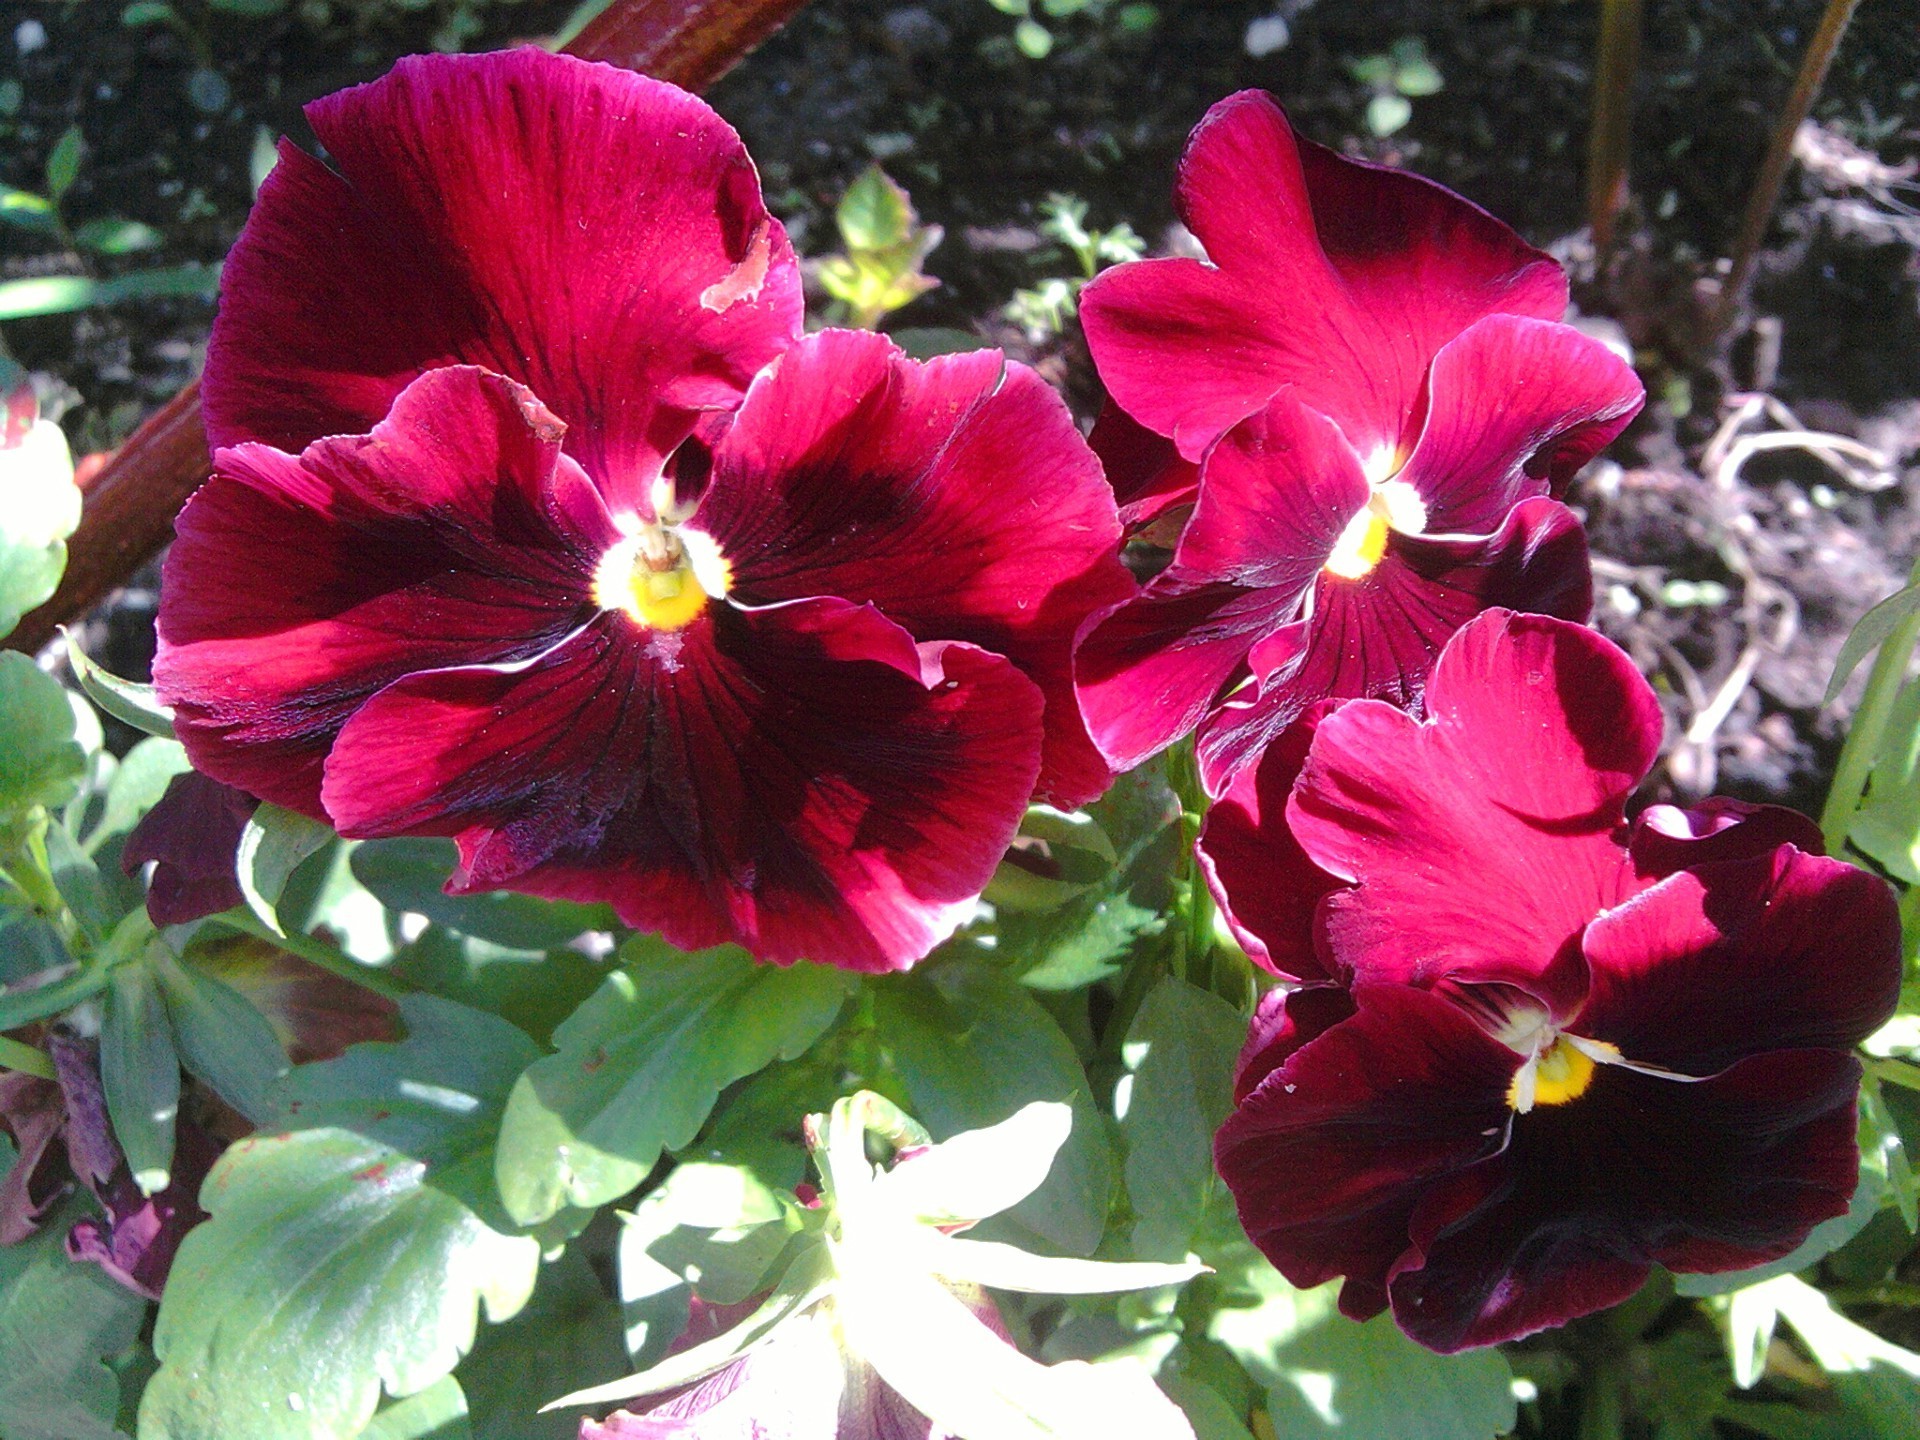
1391,505
662,576
1561,1072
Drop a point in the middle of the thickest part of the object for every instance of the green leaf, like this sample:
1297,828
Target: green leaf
63,163
1180,1052
27,210
1887,824
350,1255
925,342
140,1073
62,294
1033,38
1869,635
568,1337
272,846
533,989
438,1412
78,880
41,763
131,702
147,12
640,1065
970,1047
875,213
116,235
41,510
221,1038
411,875
58,1322
251,8
138,782
1387,114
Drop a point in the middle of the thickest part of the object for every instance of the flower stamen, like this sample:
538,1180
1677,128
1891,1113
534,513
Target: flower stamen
1392,505
662,576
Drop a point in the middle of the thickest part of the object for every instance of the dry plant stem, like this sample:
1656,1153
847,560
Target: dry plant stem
130,505
1608,139
1869,728
1773,170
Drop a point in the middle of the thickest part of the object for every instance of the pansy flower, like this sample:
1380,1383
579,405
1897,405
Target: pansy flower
1370,375
465,568
1567,1048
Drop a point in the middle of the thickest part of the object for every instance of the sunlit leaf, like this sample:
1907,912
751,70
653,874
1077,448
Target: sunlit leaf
412,875
1869,635
221,1038
131,702
272,846
567,1337
438,1412
140,1072
41,762
63,162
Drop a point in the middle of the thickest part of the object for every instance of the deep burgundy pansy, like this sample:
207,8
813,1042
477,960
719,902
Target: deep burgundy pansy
1370,373
788,681
191,837
1568,1048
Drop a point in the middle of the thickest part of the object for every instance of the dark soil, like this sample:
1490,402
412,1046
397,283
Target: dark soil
1772,565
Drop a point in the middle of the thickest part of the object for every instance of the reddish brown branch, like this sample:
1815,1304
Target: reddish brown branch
130,504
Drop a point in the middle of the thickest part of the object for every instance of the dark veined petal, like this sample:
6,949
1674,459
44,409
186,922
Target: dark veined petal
455,533
1274,495
1513,407
1483,839
1377,636
955,495
802,779
596,235
1146,471
1266,887
1718,1175
1329,1151
191,837
1335,276
1734,957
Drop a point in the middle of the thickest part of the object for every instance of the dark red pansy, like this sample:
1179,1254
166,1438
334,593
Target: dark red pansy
1569,1048
802,707
191,837
594,234
1369,375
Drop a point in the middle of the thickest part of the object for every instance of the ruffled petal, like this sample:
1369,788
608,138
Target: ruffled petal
1330,1152
1332,275
1483,840
1720,1175
1738,956
803,780
1265,885
1513,408
1146,470
596,235
298,586
191,837
1377,636
955,495
1667,838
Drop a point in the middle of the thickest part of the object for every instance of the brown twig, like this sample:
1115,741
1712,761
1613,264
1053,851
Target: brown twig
1607,141
130,504
1765,194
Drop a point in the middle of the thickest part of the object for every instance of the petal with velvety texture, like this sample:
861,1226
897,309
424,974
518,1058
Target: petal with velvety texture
455,533
1513,407
1329,1153
1719,1175
191,836
1265,885
1377,636
1734,957
1146,471
1336,276
595,234
803,779
955,495
1482,840
1667,838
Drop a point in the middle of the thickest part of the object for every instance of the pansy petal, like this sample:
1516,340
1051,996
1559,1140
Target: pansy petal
1265,885
955,495
596,235
1667,838
33,1112
1332,275
1514,406
1739,956
191,837
1484,839
300,585
1329,1154
802,780
1146,470
1377,636
1719,1175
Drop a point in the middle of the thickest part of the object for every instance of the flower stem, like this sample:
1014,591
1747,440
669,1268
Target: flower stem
23,1007
18,1055
315,952
1603,1411
1862,745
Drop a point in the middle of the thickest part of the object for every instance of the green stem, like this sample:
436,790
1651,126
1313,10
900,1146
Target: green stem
18,1055
23,1007
1896,1072
1196,941
315,952
1603,1411
1862,745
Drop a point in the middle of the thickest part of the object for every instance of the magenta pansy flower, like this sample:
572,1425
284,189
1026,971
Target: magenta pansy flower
1370,375
465,569
1567,1048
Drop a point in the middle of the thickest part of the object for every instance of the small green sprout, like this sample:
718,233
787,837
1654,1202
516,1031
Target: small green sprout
886,246
1397,78
1045,308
